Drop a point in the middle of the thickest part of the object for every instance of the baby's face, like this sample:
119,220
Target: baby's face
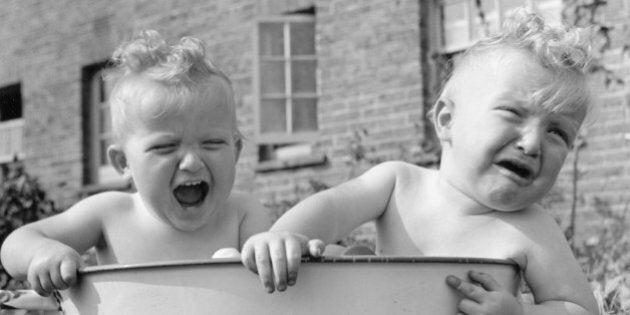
183,163
505,150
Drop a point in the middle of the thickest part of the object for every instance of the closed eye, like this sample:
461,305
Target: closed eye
163,148
214,143
510,111
561,134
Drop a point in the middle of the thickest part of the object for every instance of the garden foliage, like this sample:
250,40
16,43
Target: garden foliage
22,200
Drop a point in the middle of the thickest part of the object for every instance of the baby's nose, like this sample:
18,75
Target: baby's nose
190,162
530,142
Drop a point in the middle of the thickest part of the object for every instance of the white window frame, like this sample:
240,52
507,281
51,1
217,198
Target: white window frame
102,173
12,134
289,136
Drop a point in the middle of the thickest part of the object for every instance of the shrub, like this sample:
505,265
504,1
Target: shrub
22,201
605,258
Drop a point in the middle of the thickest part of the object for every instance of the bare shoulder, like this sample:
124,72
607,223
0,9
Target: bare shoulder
405,174
111,201
550,268
397,166
400,170
535,217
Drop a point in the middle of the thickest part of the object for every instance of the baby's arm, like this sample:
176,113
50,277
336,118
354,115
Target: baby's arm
558,283
46,252
551,271
326,216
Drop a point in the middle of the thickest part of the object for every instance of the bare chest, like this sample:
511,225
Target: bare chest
432,234
134,241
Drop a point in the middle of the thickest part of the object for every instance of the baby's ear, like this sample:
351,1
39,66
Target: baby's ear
118,160
443,119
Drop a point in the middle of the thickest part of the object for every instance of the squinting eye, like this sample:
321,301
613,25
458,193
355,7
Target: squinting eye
511,110
561,134
163,148
214,143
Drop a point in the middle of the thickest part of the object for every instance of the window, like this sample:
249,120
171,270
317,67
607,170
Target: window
286,86
97,129
462,23
11,123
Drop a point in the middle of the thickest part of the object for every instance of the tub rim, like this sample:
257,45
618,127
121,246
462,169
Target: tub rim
324,259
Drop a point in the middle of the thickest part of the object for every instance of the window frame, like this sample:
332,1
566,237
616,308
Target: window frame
95,93
544,6
288,137
12,128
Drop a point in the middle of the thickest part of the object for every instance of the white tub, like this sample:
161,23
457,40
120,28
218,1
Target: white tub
331,285
340,285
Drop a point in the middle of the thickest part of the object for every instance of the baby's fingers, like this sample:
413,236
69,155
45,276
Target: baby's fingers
67,274
278,253
486,280
467,289
41,283
263,266
248,257
294,257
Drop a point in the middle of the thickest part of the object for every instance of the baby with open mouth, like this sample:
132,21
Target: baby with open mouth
191,194
176,139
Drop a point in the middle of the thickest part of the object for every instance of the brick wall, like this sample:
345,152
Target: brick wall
368,51
369,79
603,166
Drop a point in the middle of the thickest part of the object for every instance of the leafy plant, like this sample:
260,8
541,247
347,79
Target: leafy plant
279,207
22,201
605,257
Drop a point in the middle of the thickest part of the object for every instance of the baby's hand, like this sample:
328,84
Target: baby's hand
489,298
53,267
276,257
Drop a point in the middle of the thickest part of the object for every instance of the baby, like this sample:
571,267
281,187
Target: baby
506,120
175,137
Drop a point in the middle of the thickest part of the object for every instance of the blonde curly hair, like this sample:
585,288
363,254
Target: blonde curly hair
176,75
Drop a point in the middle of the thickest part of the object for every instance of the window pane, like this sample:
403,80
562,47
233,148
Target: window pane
271,39
491,19
303,76
273,116
105,120
302,38
102,95
103,143
272,77
454,12
511,4
304,114
455,24
10,102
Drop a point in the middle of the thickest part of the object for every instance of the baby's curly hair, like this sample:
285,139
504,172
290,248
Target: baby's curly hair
149,55
182,72
554,47
564,51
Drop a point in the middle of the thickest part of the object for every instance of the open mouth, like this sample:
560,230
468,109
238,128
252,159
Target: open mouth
519,169
191,194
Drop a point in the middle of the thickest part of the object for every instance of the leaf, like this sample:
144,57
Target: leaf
624,297
612,285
